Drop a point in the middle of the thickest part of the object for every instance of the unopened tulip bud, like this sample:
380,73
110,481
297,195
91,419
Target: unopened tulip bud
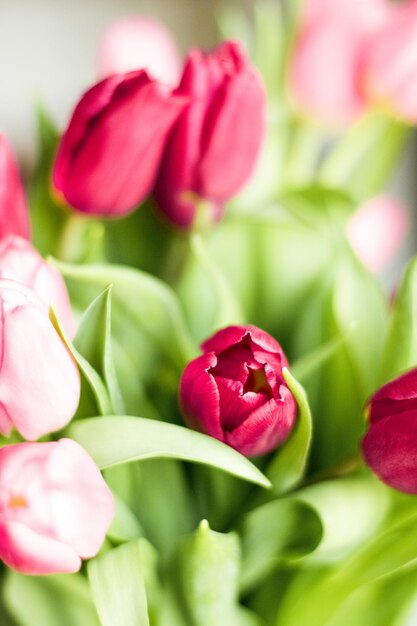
215,144
39,380
109,156
389,447
14,217
139,43
236,392
325,70
377,230
20,261
55,507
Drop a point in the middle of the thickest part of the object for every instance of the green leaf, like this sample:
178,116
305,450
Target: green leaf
50,600
276,532
93,342
145,302
401,347
351,163
112,440
288,466
125,525
118,586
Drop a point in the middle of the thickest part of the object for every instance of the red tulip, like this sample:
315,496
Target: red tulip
14,217
390,445
236,392
215,144
109,156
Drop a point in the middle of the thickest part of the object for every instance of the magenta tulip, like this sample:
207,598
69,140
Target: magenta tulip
236,392
39,380
14,217
325,71
215,144
139,43
55,507
377,230
20,261
390,445
109,156
391,64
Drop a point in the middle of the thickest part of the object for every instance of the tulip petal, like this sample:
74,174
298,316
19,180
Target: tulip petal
236,406
395,397
14,215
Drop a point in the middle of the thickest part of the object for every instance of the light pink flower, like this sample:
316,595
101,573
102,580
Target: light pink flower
377,230
39,380
216,142
325,73
20,261
14,217
236,392
55,507
390,66
139,43
109,156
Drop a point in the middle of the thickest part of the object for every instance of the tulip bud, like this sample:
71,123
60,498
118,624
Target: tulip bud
325,69
14,217
389,447
215,144
55,507
108,158
20,261
377,230
139,43
39,381
390,63
236,392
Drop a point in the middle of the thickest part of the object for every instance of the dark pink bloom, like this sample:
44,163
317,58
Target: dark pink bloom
390,445
14,217
109,156
236,393
215,144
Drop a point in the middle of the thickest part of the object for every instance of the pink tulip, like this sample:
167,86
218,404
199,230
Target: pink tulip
389,447
55,507
14,217
39,381
139,43
236,393
390,65
108,158
377,230
20,261
325,72
216,142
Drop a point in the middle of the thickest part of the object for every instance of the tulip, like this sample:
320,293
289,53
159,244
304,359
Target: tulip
325,71
14,217
377,230
390,64
108,158
235,391
139,43
39,381
216,142
55,507
389,447
20,261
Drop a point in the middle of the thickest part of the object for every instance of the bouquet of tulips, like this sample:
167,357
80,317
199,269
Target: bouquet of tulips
208,395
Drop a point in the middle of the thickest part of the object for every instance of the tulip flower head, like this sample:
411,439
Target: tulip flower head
20,261
215,145
14,216
326,67
139,43
109,156
55,507
389,447
39,380
235,391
